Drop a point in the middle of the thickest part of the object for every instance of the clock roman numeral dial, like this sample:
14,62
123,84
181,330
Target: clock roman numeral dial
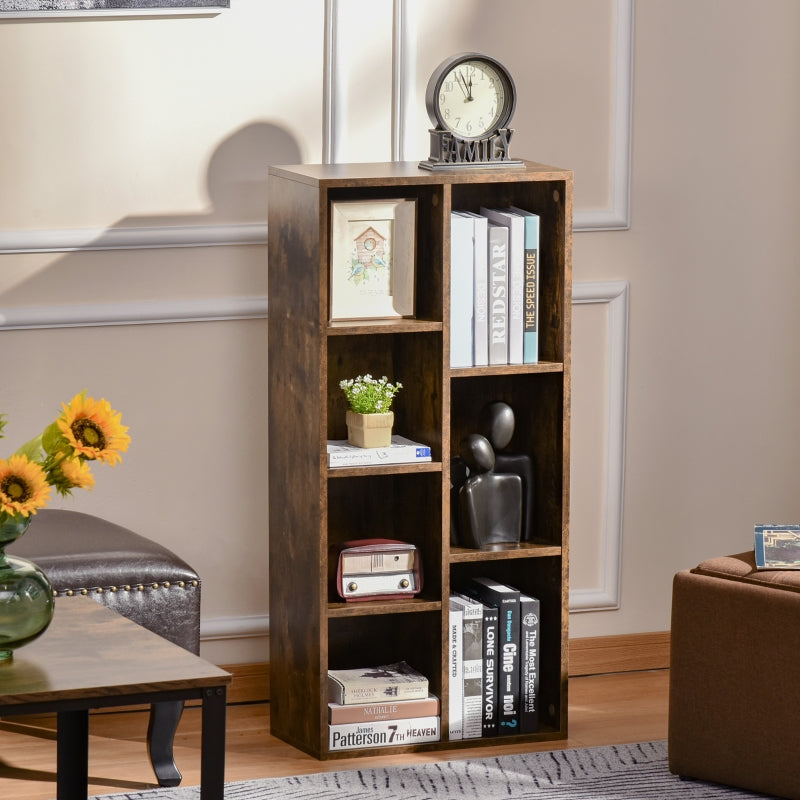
472,98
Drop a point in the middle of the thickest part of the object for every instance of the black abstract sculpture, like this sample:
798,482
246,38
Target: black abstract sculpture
489,504
496,422
492,491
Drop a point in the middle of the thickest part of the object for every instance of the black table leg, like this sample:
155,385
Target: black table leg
212,753
73,755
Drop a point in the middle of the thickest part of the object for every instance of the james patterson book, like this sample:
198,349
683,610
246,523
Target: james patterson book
386,733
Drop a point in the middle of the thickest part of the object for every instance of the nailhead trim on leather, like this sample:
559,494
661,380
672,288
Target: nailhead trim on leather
127,588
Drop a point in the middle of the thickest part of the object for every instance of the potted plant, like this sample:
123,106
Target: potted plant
86,431
369,418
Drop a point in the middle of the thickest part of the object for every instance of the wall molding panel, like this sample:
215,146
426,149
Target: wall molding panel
68,240
606,595
219,628
152,312
404,76
617,216
330,98
405,20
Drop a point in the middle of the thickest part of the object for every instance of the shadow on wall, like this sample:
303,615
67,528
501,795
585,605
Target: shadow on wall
236,185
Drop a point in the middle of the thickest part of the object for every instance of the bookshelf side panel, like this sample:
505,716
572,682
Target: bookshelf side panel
296,418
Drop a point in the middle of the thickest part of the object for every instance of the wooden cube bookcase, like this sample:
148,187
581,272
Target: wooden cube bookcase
312,507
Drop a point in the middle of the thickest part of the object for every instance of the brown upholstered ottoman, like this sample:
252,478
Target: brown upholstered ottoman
734,695
140,579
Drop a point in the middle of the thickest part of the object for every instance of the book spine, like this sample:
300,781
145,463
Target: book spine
380,455
516,288
760,555
384,733
509,660
456,675
498,293
481,316
472,653
491,712
375,691
461,290
529,636
377,712
530,328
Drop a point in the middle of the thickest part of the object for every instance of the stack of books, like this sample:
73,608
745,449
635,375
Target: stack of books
493,661
494,287
382,706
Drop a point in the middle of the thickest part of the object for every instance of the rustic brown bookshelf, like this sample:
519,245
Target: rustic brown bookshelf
312,508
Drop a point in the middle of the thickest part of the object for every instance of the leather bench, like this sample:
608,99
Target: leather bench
85,555
734,696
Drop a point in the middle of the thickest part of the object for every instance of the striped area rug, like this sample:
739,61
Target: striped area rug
617,772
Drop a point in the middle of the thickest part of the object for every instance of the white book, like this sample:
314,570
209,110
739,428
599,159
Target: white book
461,290
516,277
383,733
397,681
480,316
401,451
498,293
455,673
472,653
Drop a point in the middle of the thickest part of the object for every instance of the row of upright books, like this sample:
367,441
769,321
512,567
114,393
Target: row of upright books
383,706
494,287
493,662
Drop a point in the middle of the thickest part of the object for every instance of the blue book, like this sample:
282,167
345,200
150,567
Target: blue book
530,309
530,312
777,546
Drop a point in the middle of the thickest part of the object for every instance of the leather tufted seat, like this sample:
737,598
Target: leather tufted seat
85,555
733,695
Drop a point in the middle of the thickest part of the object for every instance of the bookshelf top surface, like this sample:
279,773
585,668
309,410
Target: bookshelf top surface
410,172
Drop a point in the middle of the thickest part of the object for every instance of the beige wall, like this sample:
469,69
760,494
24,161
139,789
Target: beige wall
132,257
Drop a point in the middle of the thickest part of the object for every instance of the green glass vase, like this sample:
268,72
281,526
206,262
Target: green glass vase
26,596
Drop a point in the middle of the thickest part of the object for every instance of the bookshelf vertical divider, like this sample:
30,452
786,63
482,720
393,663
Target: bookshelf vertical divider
312,507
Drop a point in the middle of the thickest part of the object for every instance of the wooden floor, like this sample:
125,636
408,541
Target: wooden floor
605,709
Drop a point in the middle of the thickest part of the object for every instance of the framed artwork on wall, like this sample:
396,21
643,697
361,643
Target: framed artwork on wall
372,259
77,8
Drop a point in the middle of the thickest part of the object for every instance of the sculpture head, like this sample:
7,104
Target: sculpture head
496,423
477,453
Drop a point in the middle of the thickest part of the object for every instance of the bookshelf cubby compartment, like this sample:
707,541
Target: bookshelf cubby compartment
312,507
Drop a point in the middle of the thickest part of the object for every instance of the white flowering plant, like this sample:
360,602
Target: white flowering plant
368,395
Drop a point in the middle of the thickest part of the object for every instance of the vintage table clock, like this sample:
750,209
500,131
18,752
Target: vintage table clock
470,99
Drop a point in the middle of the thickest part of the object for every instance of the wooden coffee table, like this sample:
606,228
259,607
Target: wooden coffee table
91,657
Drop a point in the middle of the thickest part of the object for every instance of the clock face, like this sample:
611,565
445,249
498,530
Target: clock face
470,96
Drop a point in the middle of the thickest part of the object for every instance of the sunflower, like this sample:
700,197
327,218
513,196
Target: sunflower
94,430
77,473
23,486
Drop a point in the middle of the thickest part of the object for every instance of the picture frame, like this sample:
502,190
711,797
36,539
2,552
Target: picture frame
372,269
21,9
